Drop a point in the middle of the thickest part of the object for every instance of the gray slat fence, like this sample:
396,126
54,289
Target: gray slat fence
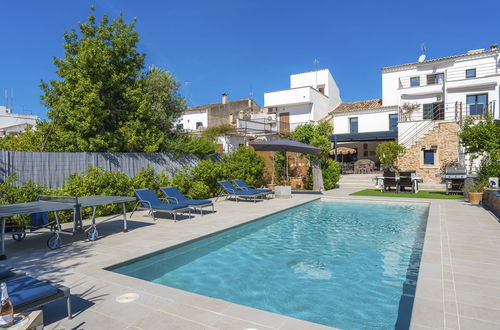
52,168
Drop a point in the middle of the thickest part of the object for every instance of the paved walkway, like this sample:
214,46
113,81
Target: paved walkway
458,287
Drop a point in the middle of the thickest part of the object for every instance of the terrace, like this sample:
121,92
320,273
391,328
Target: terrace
457,287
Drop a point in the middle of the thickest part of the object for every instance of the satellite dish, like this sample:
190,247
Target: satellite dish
421,58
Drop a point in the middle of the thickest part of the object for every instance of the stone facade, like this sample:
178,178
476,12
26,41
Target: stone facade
445,136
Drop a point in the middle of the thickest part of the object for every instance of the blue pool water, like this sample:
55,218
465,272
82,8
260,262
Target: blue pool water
351,265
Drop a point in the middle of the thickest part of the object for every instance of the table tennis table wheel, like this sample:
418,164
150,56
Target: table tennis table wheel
54,242
19,236
92,235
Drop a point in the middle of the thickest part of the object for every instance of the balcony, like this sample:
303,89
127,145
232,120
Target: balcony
454,111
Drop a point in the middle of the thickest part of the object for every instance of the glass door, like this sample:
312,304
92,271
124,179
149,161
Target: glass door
477,104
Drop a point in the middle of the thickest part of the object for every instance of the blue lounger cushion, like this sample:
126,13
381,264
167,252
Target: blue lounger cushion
244,186
156,203
6,273
25,289
181,199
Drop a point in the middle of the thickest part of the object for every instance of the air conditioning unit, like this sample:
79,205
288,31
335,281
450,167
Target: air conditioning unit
271,117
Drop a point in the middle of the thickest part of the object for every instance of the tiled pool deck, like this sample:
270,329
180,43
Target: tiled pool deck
458,286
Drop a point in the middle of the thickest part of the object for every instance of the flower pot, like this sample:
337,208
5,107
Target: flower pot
475,197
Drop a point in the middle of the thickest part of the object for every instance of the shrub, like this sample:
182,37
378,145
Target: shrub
490,166
98,181
244,164
331,173
183,180
388,152
11,193
200,190
147,178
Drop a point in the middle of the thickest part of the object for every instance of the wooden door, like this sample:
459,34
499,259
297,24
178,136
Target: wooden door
284,122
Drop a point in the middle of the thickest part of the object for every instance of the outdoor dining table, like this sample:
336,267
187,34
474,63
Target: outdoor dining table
414,179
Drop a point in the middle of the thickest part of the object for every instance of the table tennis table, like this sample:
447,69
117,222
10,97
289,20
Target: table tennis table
62,203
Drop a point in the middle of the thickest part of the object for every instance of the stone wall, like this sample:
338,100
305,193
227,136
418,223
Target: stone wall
445,136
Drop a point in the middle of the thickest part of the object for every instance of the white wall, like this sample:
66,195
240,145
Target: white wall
303,100
372,121
190,118
396,89
299,114
231,143
13,123
317,79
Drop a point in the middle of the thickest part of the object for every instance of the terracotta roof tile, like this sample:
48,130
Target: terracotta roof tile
358,106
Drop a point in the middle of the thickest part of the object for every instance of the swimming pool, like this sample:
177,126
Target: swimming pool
347,264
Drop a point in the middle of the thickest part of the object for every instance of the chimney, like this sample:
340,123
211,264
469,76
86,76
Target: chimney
224,98
493,46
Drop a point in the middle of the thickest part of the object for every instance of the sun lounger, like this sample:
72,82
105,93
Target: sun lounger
229,191
150,201
7,273
174,195
27,293
242,185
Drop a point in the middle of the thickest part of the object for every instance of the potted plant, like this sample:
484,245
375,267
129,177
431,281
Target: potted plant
474,190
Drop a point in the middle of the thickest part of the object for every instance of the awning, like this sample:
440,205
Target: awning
368,136
286,146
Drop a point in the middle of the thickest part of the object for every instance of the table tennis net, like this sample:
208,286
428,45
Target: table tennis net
58,199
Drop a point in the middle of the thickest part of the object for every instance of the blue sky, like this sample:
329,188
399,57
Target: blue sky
244,47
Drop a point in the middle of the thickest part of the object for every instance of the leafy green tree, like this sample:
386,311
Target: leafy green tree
483,139
317,135
388,152
91,105
164,102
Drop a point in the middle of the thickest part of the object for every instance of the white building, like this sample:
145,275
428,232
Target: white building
432,98
362,125
309,99
13,123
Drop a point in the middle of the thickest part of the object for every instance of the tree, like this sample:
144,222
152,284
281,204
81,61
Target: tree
104,100
99,89
483,139
388,152
317,135
164,102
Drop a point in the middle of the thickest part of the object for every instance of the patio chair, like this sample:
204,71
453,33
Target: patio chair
27,293
149,201
242,185
406,181
389,181
229,190
174,195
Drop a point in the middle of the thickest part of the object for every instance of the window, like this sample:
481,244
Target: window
353,124
434,79
365,145
321,89
393,122
433,111
179,127
470,73
429,157
414,81
476,104
199,125
365,153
